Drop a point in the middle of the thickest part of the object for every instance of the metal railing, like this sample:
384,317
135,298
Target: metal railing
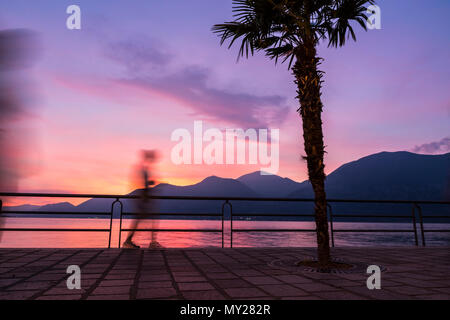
332,217
226,202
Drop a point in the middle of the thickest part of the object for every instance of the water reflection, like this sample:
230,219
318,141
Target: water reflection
196,239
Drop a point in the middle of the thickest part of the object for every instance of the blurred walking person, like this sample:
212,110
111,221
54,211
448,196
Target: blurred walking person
145,205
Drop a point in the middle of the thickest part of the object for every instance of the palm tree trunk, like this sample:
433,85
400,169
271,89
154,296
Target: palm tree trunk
309,83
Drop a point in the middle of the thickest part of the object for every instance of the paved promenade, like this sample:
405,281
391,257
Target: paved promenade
411,273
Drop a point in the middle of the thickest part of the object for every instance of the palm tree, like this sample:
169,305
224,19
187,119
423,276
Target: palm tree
291,30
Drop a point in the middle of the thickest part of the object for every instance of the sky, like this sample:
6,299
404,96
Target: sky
139,70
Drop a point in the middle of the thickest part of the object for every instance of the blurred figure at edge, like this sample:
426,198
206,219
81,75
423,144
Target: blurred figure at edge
18,49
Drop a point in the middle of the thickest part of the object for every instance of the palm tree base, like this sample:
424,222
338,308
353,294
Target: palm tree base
307,264
325,268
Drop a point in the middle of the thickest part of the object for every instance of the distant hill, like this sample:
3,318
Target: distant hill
24,207
270,186
62,206
209,187
381,176
54,207
388,176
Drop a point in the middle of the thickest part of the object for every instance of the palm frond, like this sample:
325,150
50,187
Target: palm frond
280,26
341,15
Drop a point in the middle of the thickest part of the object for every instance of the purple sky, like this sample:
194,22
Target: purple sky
137,70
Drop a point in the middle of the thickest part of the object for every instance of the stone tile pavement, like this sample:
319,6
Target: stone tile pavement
215,274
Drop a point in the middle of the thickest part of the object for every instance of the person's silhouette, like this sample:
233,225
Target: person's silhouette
144,203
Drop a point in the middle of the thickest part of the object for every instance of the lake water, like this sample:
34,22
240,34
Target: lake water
51,239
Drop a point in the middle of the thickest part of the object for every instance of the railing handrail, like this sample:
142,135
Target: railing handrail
127,196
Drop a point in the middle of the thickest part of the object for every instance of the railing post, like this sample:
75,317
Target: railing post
331,224
120,223
231,225
223,225
421,223
227,202
414,225
111,220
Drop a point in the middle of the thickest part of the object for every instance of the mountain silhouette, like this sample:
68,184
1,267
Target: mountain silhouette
62,206
269,185
209,187
388,176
